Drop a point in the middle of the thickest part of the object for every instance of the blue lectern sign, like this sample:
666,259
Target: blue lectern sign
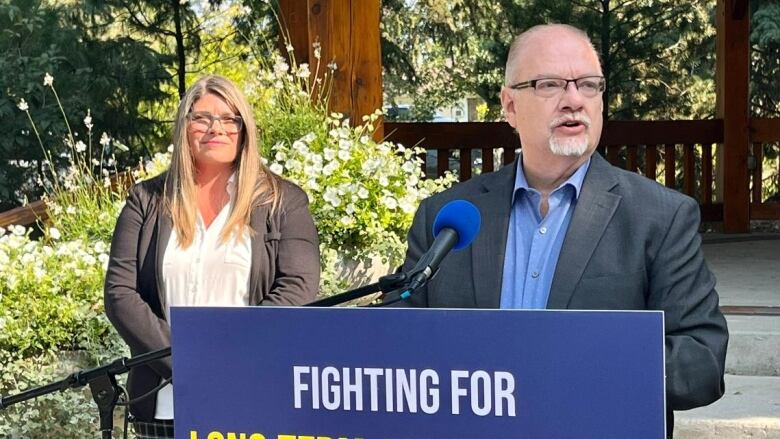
317,373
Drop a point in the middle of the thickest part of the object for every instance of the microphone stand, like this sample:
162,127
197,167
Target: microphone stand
102,384
102,379
386,284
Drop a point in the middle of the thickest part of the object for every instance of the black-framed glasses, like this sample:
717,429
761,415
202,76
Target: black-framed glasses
588,86
203,121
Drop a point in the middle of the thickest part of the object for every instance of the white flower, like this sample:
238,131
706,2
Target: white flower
345,144
329,154
332,65
48,80
89,259
383,181
330,168
303,71
88,120
100,247
276,168
54,233
332,197
280,67
104,139
362,193
344,154
17,230
103,259
23,105
300,147
346,220
308,138
292,164
351,208
28,259
409,167
80,146
317,49
390,202
407,205
70,210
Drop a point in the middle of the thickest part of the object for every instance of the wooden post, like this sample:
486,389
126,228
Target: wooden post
732,76
348,34
294,16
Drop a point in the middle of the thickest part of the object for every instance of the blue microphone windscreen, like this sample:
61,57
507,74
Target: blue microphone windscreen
461,216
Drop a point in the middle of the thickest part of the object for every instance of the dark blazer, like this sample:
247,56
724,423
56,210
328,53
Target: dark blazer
285,271
631,244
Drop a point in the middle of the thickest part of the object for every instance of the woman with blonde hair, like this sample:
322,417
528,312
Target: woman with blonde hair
217,229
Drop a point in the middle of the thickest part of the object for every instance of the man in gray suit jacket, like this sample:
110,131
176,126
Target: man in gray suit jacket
563,229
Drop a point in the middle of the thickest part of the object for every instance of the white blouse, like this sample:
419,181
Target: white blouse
207,273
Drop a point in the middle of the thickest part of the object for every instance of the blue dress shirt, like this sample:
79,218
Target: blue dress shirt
534,243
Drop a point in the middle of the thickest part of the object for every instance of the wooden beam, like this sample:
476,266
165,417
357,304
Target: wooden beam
348,33
366,55
295,29
732,96
739,9
635,132
764,130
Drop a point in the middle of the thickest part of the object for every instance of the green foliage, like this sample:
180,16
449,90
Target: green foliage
658,56
765,60
109,74
51,309
67,414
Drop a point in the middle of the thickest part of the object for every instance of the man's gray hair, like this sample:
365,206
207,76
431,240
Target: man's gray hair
520,41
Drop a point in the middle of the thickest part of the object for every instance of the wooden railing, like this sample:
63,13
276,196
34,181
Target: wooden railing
678,154
37,211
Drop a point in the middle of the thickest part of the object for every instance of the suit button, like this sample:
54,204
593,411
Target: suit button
535,274
543,230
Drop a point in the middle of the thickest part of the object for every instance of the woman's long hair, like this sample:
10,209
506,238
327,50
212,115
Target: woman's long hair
255,185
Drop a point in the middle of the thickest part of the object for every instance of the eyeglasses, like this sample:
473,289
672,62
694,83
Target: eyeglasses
588,86
202,122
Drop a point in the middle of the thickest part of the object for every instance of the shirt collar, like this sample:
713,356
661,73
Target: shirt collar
231,186
574,181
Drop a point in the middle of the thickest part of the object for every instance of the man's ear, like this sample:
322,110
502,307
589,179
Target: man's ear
508,105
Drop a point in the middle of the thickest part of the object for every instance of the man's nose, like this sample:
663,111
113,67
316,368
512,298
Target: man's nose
571,98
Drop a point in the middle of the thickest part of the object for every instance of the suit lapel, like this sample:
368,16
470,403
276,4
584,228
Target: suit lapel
257,220
595,207
164,227
487,250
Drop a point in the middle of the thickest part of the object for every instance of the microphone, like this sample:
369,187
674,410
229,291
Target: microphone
455,226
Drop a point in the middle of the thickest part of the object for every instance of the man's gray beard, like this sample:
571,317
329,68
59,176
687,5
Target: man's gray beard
569,147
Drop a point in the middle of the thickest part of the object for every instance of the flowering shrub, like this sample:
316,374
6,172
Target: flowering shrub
363,193
52,320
